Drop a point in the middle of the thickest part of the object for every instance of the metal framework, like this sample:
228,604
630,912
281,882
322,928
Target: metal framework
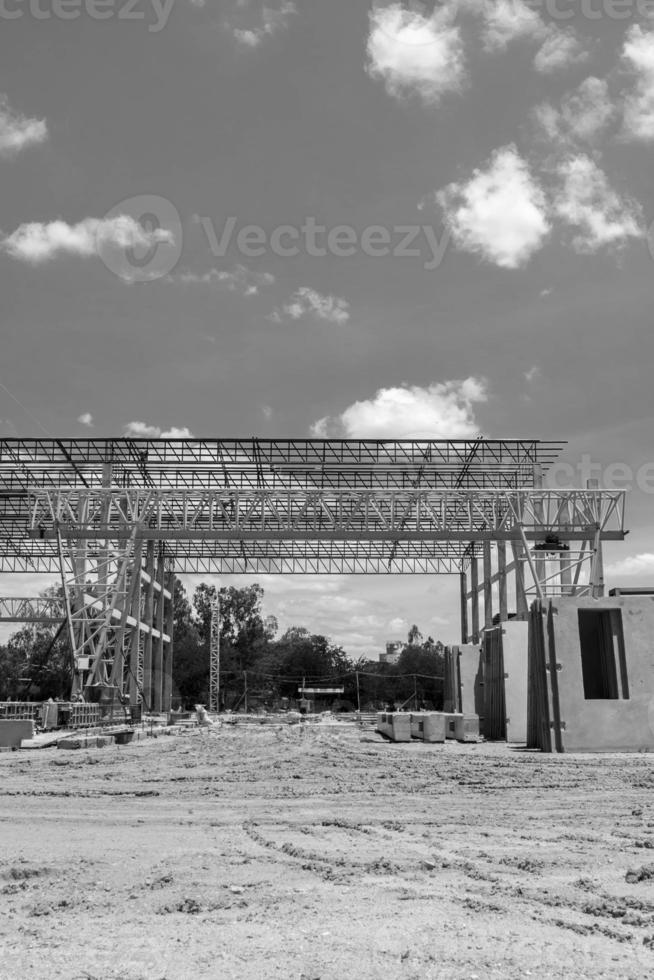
116,518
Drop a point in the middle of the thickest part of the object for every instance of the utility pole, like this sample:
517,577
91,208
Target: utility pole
356,674
245,690
214,656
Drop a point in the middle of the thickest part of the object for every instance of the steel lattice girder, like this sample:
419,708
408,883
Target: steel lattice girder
315,506
272,463
324,515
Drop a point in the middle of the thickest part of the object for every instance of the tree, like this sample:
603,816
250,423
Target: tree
39,664
190,659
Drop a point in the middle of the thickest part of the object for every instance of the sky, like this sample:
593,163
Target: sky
234,218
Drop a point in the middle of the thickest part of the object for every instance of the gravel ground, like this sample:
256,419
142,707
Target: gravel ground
320,852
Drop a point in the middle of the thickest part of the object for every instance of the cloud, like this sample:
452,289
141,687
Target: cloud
642,564
508,20
500,213
414,53
251,23
440,411
267,412
587,202
560,49
308,302
86,419
17,131
532,374
638,59
37,242
583,115
241,280
141,430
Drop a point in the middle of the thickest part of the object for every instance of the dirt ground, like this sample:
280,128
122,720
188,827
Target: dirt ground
323,852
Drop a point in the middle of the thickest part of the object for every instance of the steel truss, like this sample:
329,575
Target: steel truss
104,511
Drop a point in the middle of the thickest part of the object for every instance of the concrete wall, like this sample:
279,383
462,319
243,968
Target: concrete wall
12,733
605,725
471,675
515,655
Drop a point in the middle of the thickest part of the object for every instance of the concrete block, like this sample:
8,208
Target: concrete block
462,727
434,727
417,726
12,733
396,725
450,723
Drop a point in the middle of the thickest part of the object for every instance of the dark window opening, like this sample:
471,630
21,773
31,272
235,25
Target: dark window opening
603,662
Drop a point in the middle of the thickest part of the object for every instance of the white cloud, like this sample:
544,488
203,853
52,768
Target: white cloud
308,302
86,419
642,564
508,20
440,411
560,49
414,53
588,203
37,242
532,374
141,430
251,23
17,131
398,625
638,58
241,280
267,412
584,114
500,213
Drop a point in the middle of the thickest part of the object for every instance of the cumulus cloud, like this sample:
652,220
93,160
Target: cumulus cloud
583,115
241,280
141,430
560,49
37,242
638,59
500,213
642,564
414,53
508,20
308,302
440,411
17,131
251,23
86,419
586,201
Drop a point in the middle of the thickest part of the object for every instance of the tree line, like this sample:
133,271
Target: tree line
258,666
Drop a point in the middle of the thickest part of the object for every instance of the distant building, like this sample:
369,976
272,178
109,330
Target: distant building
393,651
